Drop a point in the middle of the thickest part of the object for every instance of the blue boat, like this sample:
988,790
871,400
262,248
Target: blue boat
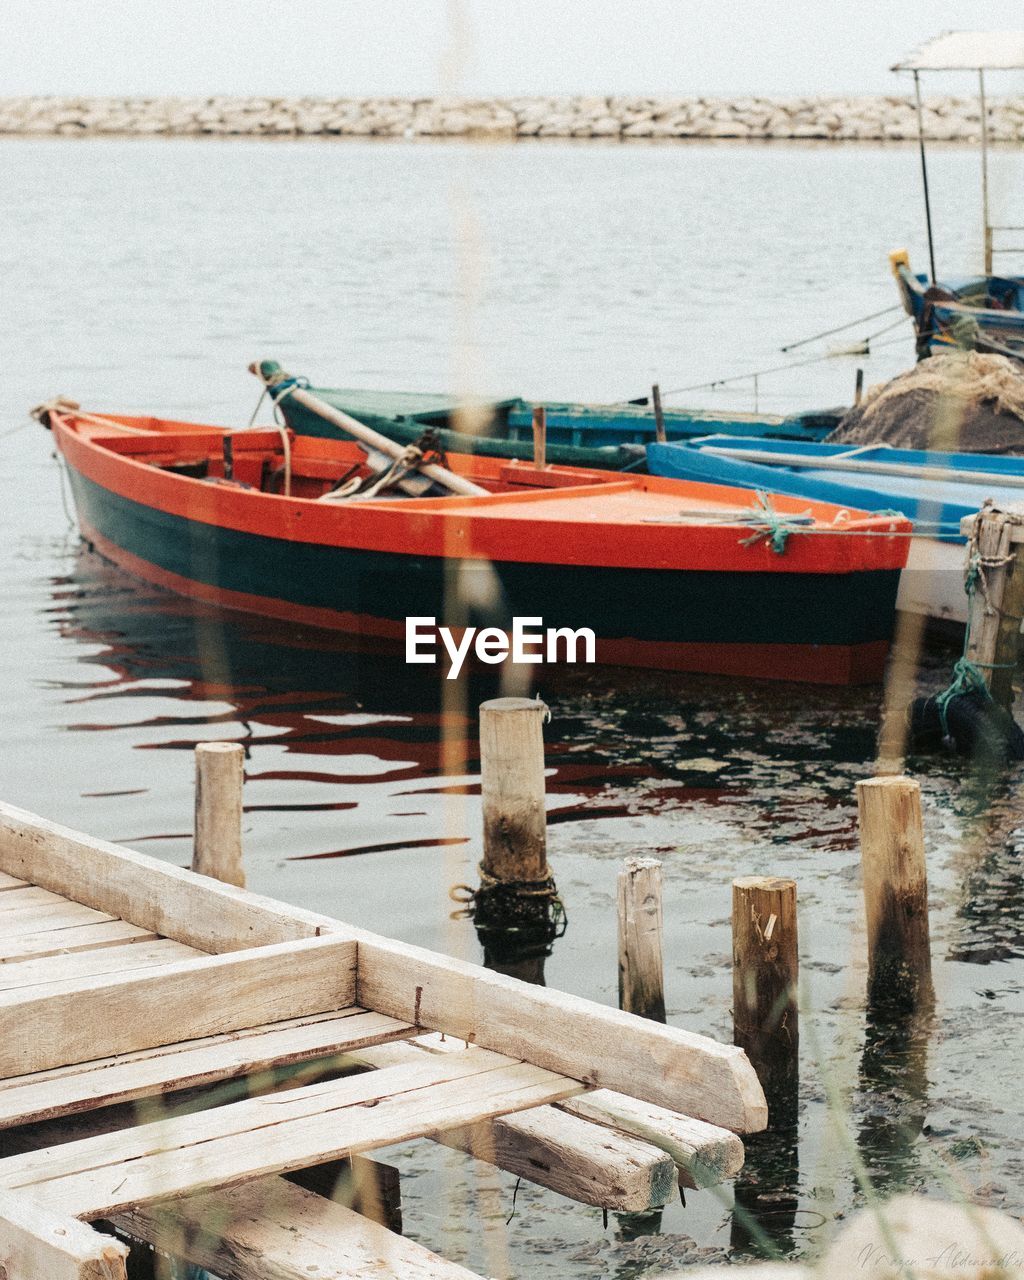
935,490
975,313
980,312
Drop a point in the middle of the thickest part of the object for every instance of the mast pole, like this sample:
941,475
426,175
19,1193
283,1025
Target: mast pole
924,173
984,175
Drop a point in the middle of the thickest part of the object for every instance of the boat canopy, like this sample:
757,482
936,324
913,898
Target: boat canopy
968,51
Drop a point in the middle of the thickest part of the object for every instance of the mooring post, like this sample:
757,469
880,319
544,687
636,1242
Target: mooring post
895,891
516,908
217,850
858,387
995,570
540,437
659,414
641,967
765,977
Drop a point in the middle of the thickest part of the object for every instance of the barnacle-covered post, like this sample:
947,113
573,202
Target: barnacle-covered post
995,596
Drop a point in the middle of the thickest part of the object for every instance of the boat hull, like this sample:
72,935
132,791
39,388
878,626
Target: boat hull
830,627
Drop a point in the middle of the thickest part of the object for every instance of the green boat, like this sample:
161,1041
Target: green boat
611,437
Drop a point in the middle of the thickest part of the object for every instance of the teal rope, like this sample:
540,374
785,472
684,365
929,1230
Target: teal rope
777,529
967,675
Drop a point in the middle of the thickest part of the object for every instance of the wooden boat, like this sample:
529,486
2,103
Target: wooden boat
983,312
675,576
579,435
934,490
980,313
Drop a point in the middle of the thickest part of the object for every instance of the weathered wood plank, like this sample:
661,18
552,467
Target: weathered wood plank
667,1066
36,1244
113,1014
590,1163
246,1140
168,900
60,914
9,882
704,1153
52,942
54,973
29,895
275,1231
196,1063
603,1047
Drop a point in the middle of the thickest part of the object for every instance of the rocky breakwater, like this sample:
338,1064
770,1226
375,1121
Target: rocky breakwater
624,118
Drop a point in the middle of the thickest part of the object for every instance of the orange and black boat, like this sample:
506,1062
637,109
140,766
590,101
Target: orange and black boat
667,574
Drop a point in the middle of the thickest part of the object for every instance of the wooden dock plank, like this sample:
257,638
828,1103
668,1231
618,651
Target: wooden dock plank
168,900
672,1068
55,973
48,1094
52,942
49,915
588,1162
36,1244
28,895
9,882
290,1130
112,1014
669,1067
271,1230
705,1154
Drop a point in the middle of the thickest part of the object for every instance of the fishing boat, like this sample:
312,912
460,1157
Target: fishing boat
934,490
983,312
692,577
580,435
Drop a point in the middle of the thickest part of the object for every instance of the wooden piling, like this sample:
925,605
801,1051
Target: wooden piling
516,910
659,416
895,891
858,387
996,602
641,968
512,786
217,850
540,437
765,975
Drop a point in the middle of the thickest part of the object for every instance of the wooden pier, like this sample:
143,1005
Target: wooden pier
129,986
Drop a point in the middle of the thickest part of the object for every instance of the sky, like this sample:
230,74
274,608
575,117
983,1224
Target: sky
474,47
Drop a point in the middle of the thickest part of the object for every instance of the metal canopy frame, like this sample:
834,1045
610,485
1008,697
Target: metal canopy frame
978,51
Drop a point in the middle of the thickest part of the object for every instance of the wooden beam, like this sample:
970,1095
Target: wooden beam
603,1047
704,1154
46,1095
113,1014
36,1244
591,1163
168,900
246,1140
271,1230
667,1066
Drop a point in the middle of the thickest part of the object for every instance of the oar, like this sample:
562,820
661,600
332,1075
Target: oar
366,435
838,463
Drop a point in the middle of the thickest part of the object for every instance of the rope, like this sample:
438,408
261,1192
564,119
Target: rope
776,528
777,368
827,333
967,675
541,892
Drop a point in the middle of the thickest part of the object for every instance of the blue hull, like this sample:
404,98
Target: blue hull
936,499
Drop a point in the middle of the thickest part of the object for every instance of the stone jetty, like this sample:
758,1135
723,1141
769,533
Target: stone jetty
620,118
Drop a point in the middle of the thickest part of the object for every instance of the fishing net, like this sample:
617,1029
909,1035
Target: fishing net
964,401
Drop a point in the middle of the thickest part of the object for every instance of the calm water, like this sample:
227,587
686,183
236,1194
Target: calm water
145,276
